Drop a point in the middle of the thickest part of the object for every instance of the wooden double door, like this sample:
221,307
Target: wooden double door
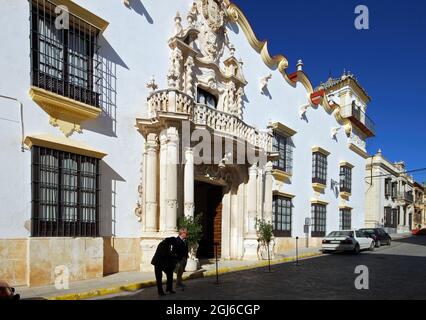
208,202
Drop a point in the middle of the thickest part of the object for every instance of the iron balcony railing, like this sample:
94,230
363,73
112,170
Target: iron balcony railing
405,196
356,114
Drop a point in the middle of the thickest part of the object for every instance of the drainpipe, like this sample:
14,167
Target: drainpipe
21,107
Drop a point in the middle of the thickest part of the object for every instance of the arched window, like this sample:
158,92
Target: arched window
206,98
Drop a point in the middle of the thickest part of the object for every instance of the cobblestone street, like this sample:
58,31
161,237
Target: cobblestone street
395,272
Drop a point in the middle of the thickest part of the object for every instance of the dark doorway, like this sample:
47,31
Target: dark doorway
208,201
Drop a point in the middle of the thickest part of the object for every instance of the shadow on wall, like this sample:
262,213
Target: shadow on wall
106,82
138,7
111,257
109,180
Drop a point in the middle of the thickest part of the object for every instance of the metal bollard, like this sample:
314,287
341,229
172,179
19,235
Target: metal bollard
297,252
217,262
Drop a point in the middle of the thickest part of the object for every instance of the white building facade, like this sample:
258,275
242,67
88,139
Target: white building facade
119,119
389,195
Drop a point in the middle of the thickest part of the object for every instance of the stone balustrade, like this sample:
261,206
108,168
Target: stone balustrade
170,101
175,101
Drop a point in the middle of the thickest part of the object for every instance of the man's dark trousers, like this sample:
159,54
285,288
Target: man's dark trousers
159,277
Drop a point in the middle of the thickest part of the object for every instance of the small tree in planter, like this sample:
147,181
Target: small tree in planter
195,233
265,236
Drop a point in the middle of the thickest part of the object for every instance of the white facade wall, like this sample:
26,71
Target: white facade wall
284,106
135,47
135,44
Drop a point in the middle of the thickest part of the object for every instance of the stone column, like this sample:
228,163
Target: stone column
268,192
163,181
172,172
252,200
151,220
189,183
250,239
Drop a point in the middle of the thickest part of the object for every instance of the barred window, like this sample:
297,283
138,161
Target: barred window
65,194
281,219
284,146
319,219
345,219
64,60
394,189
345,179
388,185
319,168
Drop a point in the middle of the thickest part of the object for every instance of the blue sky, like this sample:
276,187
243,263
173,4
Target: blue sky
389,60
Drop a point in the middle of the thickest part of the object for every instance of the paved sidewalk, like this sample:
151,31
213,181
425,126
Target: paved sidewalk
134,281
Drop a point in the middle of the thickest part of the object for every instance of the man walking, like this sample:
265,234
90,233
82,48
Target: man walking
165,260
182,255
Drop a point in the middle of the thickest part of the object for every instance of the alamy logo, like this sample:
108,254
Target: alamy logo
362,21
62,21
62,278
362,282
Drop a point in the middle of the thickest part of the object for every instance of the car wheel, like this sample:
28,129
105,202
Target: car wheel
356,249
378,244
325,252
372,246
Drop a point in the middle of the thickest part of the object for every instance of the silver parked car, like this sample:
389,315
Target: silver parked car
348,240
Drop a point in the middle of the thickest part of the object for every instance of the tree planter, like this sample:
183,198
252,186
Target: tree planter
192,265
262,251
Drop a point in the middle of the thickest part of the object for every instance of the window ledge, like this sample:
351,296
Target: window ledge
320,150
318,187
83,14
346,164
284,194
281,175
283,129
63,144
345,195
317,201
65,113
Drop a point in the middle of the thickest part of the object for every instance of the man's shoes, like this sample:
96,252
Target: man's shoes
171,291
161,293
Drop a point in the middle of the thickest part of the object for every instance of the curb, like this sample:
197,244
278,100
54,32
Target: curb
151,283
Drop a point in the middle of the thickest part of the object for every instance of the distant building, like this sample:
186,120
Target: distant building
419,218
389,195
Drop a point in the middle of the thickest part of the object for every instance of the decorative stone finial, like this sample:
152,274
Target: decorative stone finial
192,15
152,85
178,24
232,50
299,65
264,83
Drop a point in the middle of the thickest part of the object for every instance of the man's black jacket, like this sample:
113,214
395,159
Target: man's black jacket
169,252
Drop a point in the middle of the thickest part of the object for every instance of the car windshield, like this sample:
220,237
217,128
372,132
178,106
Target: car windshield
369,231
341,234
